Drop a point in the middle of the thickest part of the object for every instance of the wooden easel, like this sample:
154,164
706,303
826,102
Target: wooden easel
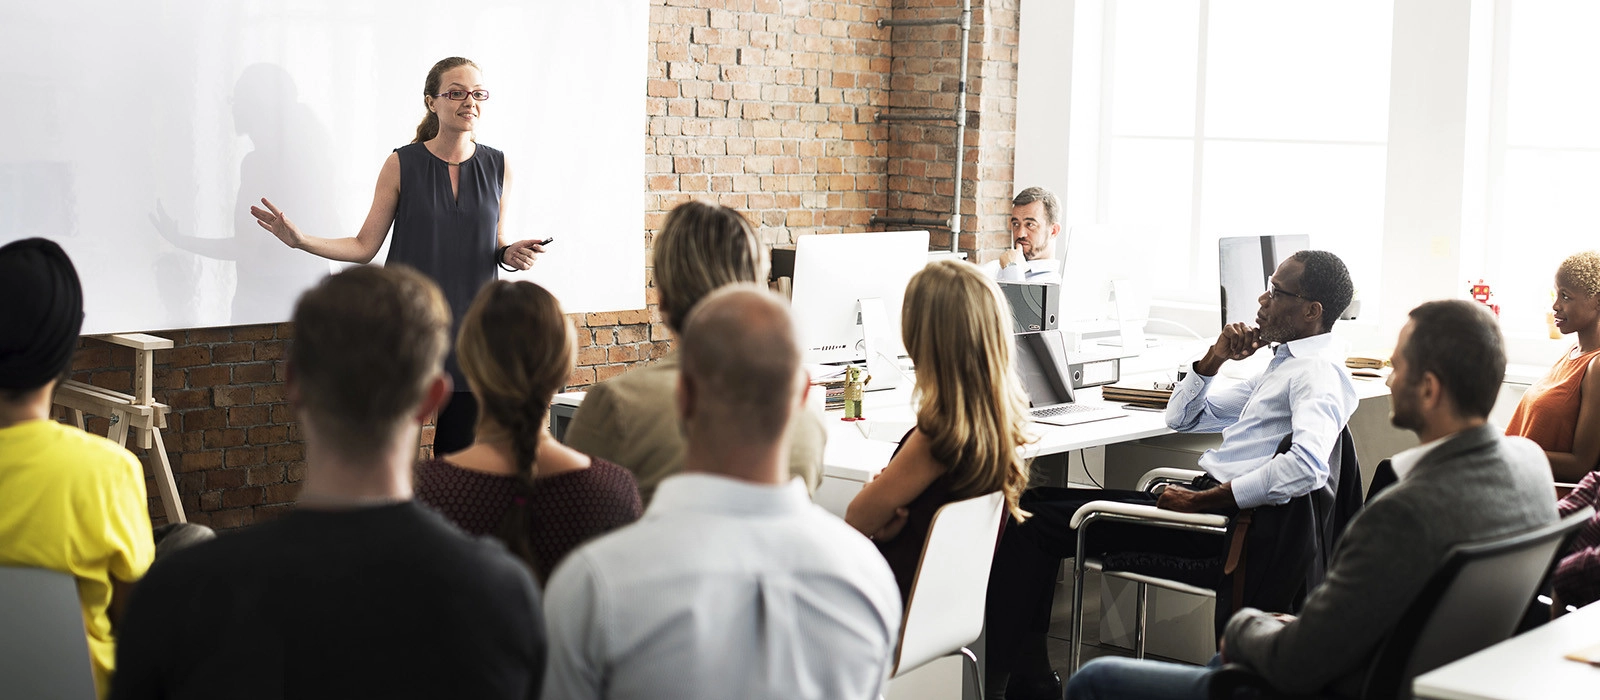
138,412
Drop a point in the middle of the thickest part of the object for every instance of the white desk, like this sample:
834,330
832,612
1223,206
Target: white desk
1528,667
850,460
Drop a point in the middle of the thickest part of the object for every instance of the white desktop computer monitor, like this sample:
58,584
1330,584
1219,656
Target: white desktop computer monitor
1106,278
1093,256
834,273
1244,264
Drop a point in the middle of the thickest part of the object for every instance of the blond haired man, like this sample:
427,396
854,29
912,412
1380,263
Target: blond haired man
629,420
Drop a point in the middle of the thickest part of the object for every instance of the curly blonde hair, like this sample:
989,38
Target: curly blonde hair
1583,269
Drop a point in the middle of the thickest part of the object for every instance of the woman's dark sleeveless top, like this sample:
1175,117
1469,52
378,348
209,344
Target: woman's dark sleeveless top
450,239
904,552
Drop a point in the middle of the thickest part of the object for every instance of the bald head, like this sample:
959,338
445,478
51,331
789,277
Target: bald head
738,351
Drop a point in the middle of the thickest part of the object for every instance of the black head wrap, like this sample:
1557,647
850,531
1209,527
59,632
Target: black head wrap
41,312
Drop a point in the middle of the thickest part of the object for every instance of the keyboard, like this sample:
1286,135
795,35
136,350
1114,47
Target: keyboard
1074,413
1065,409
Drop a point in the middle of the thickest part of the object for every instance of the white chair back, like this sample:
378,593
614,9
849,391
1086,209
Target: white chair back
44,651
945,612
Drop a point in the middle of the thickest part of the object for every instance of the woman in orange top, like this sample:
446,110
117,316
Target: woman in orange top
1561,412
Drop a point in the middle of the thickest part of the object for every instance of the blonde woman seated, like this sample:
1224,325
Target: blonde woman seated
1561,412
972,415
515,482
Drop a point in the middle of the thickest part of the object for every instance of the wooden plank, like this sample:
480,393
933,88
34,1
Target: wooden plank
137,341
87,397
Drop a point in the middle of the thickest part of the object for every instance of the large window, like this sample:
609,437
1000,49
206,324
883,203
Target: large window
1215,118
1535,192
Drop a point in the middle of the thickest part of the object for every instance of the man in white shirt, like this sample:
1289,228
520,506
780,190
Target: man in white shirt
1304,392
733,584
1035,228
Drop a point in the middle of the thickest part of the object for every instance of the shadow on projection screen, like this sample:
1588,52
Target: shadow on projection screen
152,126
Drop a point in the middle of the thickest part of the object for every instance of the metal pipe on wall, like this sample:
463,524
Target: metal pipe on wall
959,117
909,221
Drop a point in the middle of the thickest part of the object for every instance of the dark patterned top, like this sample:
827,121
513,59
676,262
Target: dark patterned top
569,508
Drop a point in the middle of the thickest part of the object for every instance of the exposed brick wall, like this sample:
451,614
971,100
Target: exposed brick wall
925,74
994,79
766,106
236,451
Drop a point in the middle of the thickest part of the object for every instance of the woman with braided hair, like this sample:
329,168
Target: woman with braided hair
515,481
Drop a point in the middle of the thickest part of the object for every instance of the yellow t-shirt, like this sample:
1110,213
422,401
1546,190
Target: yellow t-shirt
75,502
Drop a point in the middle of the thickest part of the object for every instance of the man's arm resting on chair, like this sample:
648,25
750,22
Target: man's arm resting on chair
1182,500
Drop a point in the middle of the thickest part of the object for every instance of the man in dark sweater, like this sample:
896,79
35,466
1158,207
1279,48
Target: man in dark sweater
360,592
1465,482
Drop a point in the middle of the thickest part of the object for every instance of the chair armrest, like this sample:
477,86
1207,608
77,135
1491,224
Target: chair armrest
1166,475
1148,513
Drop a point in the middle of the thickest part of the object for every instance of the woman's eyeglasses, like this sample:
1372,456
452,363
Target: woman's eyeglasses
461,95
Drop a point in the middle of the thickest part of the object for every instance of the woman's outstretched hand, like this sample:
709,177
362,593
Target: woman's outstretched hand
273,220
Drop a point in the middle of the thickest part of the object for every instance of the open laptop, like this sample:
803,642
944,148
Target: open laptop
1042,364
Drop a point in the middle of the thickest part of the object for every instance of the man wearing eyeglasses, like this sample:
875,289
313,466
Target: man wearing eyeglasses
1304,392
1306,379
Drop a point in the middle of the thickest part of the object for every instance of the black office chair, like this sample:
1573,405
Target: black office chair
1473,601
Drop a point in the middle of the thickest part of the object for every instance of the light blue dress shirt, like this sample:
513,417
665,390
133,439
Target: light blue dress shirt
1046,271
724,589
1305,390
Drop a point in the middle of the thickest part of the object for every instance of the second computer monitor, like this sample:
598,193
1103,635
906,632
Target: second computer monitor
1244,264
832,273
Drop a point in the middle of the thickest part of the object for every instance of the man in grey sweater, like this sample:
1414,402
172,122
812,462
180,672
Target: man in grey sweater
1465,482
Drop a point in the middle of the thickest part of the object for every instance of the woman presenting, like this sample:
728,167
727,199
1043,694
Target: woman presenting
444,194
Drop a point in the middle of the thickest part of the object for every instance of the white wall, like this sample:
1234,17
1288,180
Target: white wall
141,130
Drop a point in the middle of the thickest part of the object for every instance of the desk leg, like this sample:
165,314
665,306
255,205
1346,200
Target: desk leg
164,481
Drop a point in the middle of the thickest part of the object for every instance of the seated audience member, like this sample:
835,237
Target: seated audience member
360,592
1304,391
972,416
1577,577
69,501
1035,228
1464,483
541,497
629,420
733,585
1561,412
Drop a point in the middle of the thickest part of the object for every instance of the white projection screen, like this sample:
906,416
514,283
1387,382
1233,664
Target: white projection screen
143,129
